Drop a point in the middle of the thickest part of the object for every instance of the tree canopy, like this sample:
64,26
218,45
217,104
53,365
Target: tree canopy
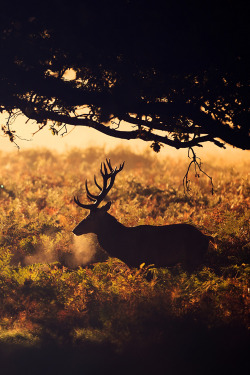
173,72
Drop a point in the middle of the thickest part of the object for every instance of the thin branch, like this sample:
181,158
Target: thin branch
196,161
40,128
115,123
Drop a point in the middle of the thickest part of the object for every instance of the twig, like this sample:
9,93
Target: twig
197,168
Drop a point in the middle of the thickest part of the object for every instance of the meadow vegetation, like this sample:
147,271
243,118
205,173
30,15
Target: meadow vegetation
48,294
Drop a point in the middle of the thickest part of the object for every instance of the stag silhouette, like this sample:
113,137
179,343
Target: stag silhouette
159,245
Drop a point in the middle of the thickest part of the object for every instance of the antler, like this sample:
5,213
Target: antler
107,176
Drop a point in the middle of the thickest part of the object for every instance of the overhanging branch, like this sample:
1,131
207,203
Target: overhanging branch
203,124
133,134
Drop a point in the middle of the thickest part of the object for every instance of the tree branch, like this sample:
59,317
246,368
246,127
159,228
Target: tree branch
142,134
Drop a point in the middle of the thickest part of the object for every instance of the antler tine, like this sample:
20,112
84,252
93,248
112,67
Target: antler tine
92,197
87,206
113,175
109,165
76,199
98,198
114,170
107,176
119,169
99,187
121,166
105,172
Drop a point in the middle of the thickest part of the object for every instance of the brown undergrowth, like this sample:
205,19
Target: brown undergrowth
46,293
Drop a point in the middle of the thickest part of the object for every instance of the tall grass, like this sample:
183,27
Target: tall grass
45,288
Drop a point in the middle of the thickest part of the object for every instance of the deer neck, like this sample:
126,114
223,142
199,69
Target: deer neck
110,233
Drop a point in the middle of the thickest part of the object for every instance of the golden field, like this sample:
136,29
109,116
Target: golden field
56,289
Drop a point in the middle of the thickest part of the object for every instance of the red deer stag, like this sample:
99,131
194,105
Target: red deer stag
159,245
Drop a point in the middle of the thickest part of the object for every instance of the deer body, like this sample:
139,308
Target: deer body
162,246
159,245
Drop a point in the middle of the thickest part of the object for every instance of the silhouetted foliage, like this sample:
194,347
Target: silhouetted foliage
168,72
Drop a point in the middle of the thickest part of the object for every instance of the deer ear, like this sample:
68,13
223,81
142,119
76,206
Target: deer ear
106,207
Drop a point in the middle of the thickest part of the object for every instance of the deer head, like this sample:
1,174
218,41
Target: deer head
95,217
